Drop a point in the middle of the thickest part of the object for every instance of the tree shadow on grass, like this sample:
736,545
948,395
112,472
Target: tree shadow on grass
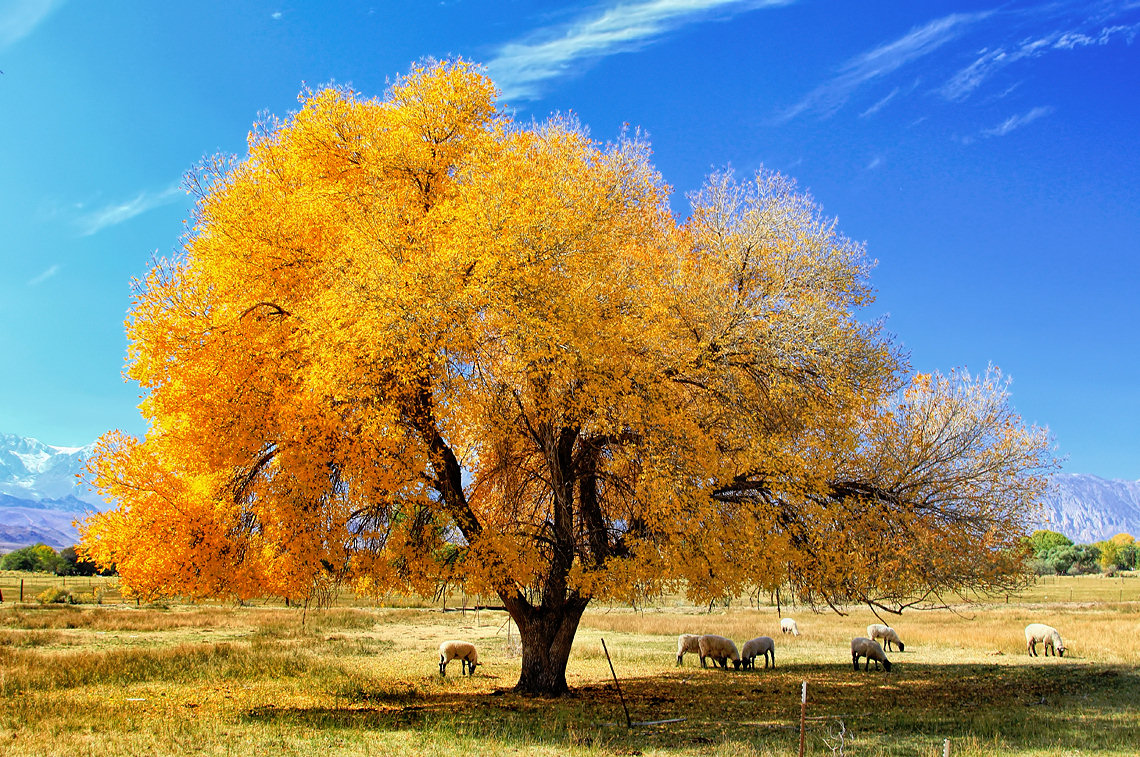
909,711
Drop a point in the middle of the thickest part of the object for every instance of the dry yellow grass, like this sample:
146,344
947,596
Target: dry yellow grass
209,680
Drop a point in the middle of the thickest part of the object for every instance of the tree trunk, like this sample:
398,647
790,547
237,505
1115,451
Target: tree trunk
547,634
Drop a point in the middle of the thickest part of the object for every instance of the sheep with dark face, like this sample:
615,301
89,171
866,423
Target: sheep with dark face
864,647
464,651
720,649
788,625
687,642
877,631
760,646
1048,635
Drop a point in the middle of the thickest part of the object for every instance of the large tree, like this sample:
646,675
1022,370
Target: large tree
409,341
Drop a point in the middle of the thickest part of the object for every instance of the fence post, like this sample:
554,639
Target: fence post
21,590
946,748
803,715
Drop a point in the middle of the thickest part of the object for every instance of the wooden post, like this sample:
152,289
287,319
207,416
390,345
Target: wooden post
803,715
21,590
946,748
628,722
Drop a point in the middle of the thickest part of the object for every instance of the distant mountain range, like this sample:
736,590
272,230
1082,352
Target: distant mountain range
1089,508
41,496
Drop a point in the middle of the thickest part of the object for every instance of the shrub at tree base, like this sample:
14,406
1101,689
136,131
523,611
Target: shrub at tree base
408,341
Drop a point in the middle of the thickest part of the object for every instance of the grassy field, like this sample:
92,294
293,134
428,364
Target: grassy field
118,679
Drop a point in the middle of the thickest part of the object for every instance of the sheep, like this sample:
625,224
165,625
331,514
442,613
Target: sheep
464,650
687,642
864,647
886,633
1035,632
787,625
753,648
720,649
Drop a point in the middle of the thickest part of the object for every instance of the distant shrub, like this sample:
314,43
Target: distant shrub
94,597
56,595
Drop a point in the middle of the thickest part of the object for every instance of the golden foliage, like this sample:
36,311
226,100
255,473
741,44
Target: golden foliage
411,341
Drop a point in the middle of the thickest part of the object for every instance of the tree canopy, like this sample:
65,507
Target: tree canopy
1043,539
408,340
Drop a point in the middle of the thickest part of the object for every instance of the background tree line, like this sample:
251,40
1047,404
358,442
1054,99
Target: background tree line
1054,553
40,558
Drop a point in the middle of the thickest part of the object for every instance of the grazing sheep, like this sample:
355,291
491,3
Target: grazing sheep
720,649
687,642
1035,632
753,648
863,647
464,650
787,625
886,633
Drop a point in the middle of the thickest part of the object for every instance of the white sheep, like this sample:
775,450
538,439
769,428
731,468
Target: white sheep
753,648
1035,632
464,650
787,625
864,647
886,633
720,649
687,642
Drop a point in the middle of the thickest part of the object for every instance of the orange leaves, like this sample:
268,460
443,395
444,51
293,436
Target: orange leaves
409,341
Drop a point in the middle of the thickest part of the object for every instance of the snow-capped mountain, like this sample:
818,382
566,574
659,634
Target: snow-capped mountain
32,470
1089,508
40,493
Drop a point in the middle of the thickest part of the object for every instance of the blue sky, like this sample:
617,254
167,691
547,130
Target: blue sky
986,152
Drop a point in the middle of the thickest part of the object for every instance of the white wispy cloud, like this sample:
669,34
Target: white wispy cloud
1017,121
919,42
47,274
1072,40
19,18
880,104
521,68
989,61
112,215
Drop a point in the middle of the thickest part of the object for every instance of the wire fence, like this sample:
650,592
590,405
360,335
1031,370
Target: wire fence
18,586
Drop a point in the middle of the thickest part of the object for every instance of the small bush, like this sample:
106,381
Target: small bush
94,597
56,595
